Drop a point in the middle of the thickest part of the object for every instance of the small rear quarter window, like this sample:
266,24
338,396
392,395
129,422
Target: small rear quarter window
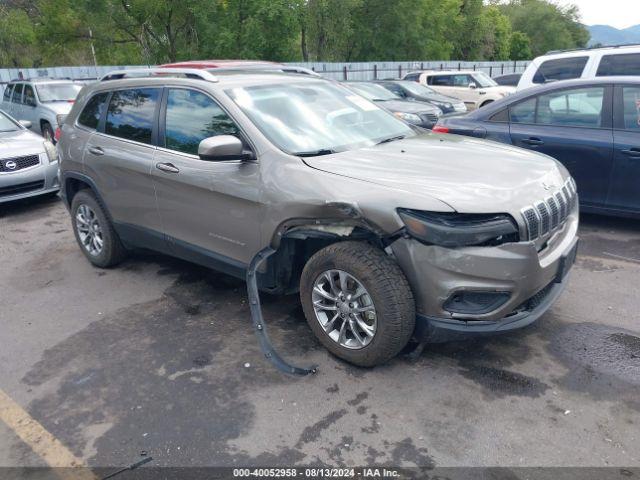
500,117
90,115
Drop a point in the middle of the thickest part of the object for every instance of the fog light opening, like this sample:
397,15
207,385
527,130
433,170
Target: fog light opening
475,302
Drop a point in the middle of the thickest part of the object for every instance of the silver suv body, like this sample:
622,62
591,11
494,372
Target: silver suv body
43,102
386,231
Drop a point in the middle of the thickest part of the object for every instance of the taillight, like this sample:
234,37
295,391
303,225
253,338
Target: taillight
57,134
440,129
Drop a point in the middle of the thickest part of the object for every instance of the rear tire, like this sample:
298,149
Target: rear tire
386,309
94,231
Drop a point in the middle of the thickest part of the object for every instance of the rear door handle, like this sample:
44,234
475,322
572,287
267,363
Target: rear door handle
533,141
96,150
632,152
167,167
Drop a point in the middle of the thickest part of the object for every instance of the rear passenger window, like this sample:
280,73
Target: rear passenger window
560,69
580,107
631,108
17,93
412,77
131,113
7,93
624,64
501,117
523,112
191,117
441,80
92,112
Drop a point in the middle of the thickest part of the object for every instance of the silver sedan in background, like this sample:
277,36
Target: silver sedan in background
28,164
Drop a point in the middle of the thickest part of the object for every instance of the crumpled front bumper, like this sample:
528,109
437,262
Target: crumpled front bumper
527,271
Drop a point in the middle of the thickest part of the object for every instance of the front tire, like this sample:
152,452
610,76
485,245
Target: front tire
358,303
47,132
94,232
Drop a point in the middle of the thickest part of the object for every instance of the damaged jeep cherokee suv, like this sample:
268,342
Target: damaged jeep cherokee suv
386,231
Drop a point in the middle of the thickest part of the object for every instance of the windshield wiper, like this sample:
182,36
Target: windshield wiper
315,153
391,139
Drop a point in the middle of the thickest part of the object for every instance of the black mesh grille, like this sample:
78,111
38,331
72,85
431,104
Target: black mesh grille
545,220
555,212
19,162
533,226
429,117
21,188
563,206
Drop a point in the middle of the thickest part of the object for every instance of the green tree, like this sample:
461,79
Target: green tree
496,44
548,26
18,46
520,46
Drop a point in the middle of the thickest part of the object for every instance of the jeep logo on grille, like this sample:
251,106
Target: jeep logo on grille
10,165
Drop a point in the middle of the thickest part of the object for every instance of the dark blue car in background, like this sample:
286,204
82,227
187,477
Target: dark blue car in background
591,126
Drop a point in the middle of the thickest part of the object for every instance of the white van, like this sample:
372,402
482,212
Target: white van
623,60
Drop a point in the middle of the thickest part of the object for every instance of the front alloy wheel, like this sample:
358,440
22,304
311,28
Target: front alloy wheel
344,309
357,302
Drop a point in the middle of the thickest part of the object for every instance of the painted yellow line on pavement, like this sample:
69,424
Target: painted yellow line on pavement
41,441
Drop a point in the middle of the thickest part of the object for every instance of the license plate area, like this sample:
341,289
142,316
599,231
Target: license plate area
566,262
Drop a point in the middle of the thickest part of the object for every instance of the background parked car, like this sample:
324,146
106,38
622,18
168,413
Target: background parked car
591,126
587,63
408,90
28,164
508,79
417,113
475,89
43,102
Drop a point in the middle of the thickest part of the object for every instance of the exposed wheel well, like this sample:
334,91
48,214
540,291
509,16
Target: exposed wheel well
44,122
285,267
487,103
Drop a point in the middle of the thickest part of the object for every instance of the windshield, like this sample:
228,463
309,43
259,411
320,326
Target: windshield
373,91
316,118
483,80
7,125
418,89
58,92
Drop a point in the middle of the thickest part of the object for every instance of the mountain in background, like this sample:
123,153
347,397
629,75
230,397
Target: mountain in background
607,35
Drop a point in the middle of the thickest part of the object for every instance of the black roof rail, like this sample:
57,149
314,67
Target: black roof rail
595,47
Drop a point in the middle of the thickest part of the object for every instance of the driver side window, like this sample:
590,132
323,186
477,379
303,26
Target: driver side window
191,117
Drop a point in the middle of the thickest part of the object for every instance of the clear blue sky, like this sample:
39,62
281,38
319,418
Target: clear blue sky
617,13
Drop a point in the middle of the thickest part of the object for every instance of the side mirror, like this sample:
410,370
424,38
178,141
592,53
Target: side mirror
473,86
221,147
25,123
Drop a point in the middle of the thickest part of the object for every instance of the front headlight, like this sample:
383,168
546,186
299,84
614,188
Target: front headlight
459,229
52,153
409,117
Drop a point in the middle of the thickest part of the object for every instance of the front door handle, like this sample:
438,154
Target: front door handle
632,152
533,141
96,151
167,167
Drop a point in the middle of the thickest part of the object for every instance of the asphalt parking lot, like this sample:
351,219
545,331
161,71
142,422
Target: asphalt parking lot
157,356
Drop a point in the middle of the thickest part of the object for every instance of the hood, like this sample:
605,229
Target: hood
407,107
20,142
436,97
500,89
59,108
470,175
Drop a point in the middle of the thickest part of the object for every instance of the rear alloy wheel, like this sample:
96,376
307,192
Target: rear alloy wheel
357,302
94,232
